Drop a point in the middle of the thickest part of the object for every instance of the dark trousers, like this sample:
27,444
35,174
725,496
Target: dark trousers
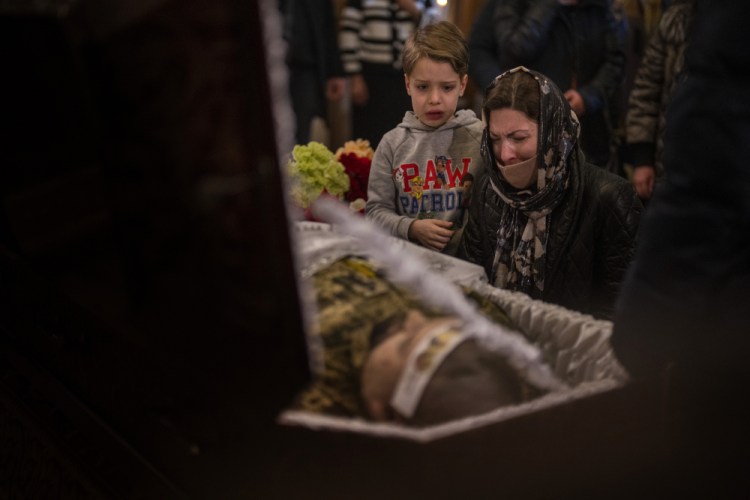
386,107
308,100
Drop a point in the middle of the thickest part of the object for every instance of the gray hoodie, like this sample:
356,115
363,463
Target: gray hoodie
418,171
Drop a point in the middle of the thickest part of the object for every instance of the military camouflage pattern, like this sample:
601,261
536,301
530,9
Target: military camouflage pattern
353,298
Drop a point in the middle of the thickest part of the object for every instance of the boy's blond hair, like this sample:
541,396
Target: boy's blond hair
442,42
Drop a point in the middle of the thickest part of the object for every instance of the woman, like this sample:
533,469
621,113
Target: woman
543,221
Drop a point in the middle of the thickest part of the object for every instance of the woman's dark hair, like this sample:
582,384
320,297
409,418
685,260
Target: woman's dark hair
519,91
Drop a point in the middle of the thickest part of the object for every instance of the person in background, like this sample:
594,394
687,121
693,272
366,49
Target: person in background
415,187
578,44
661,69
542,220
641,18
372,34
315,69
683,309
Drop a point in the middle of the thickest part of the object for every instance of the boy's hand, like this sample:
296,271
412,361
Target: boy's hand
431,233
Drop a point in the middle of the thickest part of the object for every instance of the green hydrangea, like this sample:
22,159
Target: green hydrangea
314,168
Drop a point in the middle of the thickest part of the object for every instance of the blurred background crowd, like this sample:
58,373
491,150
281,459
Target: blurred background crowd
344,52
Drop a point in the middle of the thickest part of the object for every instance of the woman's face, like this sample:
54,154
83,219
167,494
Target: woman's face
513,135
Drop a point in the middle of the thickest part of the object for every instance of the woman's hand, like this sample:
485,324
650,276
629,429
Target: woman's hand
576,102
643,181
360,94
412,8
335,88
431,233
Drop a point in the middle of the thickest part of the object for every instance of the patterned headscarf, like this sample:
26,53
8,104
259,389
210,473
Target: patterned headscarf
519,261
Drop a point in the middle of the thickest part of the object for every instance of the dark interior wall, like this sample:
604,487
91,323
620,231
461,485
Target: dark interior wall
146,268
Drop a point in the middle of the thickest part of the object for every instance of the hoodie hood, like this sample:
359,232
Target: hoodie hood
460,118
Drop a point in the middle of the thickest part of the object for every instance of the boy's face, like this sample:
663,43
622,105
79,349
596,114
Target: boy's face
434,88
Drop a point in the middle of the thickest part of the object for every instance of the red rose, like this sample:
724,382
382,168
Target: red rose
358,170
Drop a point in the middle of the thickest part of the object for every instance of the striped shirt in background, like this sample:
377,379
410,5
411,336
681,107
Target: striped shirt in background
373,31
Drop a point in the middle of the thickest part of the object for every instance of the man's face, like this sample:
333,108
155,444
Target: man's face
388,360
469,381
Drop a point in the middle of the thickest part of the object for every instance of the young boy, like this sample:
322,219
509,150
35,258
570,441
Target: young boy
415,186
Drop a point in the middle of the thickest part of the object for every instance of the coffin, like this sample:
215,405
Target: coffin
570,442
152,336
575,347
